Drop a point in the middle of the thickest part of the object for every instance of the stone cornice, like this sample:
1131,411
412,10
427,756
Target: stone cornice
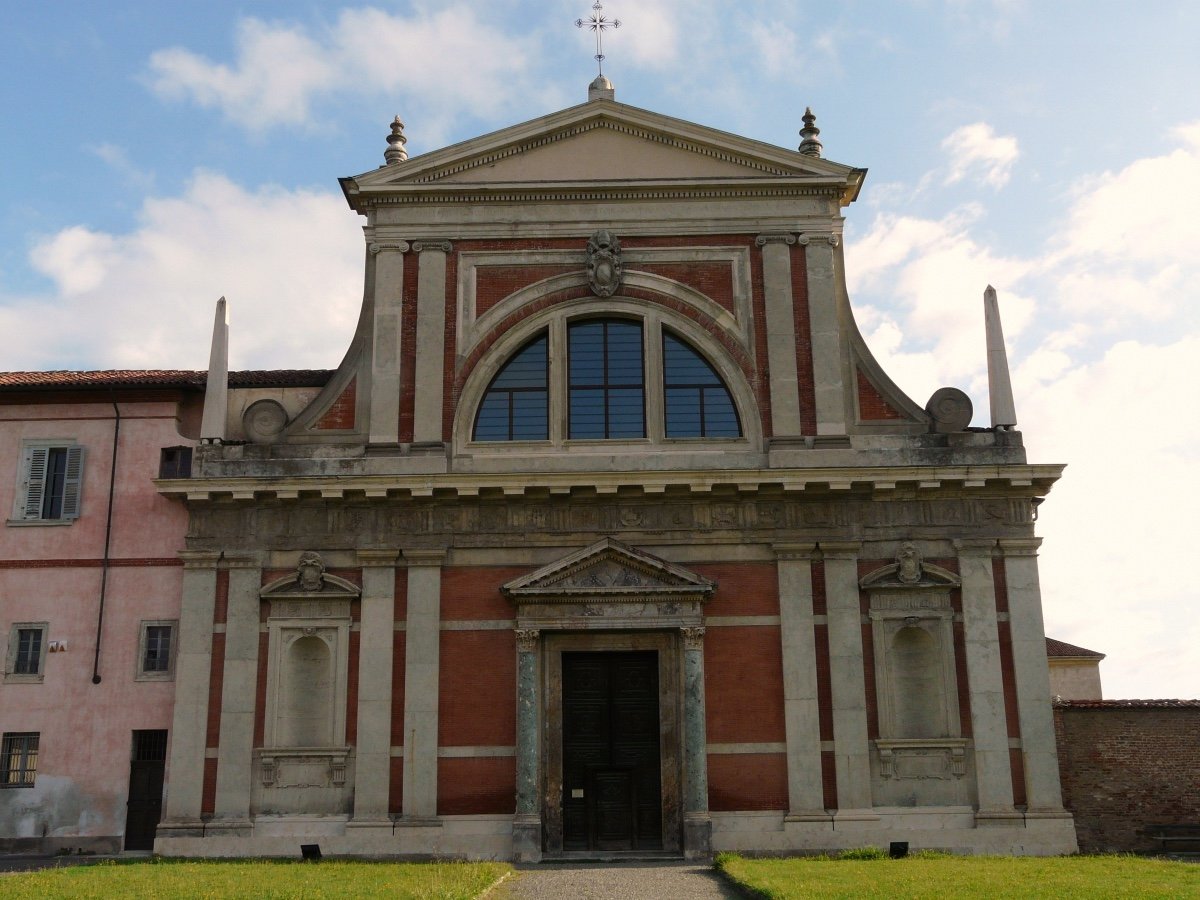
907,482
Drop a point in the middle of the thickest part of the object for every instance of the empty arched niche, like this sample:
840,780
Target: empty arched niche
307,715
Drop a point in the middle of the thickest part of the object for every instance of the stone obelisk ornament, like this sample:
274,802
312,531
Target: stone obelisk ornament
604,263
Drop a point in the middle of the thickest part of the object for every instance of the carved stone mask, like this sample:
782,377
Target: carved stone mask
908,560
311,571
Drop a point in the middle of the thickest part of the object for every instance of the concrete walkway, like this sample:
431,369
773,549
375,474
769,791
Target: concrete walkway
620,881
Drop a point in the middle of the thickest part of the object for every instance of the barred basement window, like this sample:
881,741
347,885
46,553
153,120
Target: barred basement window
19,752
50,482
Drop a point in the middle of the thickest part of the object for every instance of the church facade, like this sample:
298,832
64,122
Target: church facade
608,535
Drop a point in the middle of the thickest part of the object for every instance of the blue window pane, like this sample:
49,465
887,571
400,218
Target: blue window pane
696,401
516,404
606,372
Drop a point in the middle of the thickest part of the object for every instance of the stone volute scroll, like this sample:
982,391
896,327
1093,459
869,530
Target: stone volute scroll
604,267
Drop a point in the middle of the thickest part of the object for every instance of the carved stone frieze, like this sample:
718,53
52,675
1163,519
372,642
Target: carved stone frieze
936,758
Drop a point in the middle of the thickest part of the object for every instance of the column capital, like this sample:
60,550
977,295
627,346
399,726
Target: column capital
763,239
693,637
840,549
794,551
528,639
199,559
379,558
826,237
388,247
1020,546
421,246
975,547
423,557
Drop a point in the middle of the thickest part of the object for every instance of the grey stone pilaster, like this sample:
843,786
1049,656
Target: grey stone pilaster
373,757
781,332
422,653
800,709
697,823
1043,792
431,341
849,691
821,258
193,664
989,728
385,353
527,824
235,756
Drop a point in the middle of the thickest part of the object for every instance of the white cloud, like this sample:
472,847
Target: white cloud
280,72
288,261
118,160
1119,412
977,150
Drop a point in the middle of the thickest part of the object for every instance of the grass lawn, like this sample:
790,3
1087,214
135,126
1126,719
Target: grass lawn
257,879
963,876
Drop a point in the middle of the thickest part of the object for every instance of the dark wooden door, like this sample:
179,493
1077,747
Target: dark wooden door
146,770
612,797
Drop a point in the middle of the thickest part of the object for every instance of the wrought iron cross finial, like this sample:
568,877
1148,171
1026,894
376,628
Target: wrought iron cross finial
598,23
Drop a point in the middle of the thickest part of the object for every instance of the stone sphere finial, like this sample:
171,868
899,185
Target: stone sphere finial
395,152
809,145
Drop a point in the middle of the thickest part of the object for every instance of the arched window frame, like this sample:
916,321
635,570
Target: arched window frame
654,319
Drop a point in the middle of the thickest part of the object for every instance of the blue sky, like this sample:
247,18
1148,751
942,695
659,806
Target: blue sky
157,156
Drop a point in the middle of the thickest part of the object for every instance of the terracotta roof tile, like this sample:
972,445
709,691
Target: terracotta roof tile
1129,704
1063,650
188,379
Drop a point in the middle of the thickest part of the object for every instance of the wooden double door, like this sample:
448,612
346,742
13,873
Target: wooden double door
611,759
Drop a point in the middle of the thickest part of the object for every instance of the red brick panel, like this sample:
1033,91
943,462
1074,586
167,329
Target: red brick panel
260,690
868,642
400,606
1000,582
478,692
221,606
758,306
1125,768
494,283
960,679
216,675
743,589
408,342
824,682
208,793
1017,764
340,415
743,684
1009,677
805,376
398,657
829,779
473,592
483,785
450,346
872,406
396,786
712,279
818,588
745,781
352,690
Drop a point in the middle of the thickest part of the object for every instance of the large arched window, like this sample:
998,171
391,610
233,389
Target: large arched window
696,401
516,405
606,378
607,398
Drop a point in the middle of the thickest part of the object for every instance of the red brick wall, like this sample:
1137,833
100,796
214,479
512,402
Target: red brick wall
1124,768
478,691
742,781
494,283
477,786
743,589
743,684
713,279
341,414
871,403
473,592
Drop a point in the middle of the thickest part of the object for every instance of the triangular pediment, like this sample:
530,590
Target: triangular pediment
608,569
601,140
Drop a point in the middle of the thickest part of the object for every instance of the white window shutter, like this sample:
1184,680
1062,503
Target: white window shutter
73,486
33,466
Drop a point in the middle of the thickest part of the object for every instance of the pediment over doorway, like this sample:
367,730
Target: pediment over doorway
611,570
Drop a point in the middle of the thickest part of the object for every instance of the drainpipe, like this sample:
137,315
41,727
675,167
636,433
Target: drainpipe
112,483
